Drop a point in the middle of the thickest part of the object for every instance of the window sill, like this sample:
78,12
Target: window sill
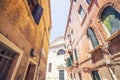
115,34
96,49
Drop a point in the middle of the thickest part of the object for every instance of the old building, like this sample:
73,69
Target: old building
56,64
93,40
24,38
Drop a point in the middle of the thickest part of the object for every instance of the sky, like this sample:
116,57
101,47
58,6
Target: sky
59,15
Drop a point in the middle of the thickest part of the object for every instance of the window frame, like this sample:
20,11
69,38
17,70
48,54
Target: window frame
62,74
107,31
93,76
92,42
30,14
50,67
10,45
88,2
81,19
58,52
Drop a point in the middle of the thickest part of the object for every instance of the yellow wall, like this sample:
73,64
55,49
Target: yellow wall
18,26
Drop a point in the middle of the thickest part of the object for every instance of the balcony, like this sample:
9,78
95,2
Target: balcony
114,42
68,60
97,54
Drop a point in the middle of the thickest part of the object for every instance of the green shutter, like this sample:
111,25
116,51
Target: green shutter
69,63
76,55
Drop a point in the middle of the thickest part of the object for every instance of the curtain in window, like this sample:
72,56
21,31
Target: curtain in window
37,13
111,19
92,37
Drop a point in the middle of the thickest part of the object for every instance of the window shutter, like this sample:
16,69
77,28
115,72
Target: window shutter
69,63
76,55
37,13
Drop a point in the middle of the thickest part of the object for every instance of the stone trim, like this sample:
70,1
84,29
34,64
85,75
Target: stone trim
12,46
30,61
102,9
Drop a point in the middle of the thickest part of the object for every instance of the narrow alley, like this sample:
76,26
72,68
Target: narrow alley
59,39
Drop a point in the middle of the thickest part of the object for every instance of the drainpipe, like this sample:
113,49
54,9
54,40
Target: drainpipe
106,48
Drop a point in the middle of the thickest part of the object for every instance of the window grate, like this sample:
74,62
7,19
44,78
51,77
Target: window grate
6,59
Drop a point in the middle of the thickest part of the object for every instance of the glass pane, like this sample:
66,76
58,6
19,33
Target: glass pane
50,67
61,74
95,75
111,19
92,37
82,13
61,52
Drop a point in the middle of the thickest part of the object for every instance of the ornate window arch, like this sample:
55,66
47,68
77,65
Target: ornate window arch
110,18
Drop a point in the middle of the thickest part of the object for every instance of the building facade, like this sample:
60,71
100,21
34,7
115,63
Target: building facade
56,65
24,38
93,40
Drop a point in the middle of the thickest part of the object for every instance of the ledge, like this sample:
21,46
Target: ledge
96,48
115,34
90,5
70,68
83,20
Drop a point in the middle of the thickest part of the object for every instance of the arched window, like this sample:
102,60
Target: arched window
50,67
61,52
111,19
92,37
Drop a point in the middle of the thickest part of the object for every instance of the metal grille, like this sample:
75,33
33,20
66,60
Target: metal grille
6,59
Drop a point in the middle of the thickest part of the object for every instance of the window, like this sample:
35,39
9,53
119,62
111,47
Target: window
61,74
50,67
81,12
88,1
75,0
92,37
36,10
111,19
61,52
6,60
95,75
69,36
30,71
71,76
